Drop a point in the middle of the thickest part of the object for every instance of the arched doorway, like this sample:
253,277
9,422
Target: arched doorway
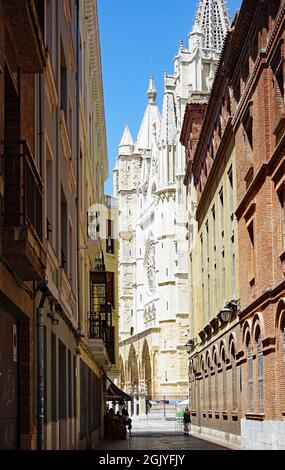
146,376
146,369
121,378
133,377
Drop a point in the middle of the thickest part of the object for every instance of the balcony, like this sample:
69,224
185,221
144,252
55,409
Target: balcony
21,222
24,20
101,340
110,246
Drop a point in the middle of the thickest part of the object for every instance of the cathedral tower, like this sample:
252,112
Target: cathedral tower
149,176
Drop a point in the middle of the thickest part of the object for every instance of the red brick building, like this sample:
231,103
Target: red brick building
22,55
237,370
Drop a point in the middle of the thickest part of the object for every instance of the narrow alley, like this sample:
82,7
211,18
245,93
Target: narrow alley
161,435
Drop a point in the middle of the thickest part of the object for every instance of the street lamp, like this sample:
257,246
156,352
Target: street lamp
190,345
226,314
229,309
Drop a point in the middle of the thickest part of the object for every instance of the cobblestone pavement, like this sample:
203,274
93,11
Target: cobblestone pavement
152,435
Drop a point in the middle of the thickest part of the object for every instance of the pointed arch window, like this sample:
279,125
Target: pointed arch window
224,385
234,380
209,386
216,385
260,361
250,378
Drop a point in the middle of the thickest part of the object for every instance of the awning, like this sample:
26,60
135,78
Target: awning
114,393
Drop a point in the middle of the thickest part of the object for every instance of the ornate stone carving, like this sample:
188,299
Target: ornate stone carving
149,264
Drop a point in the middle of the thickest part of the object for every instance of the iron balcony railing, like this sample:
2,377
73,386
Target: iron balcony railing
100,329
23,186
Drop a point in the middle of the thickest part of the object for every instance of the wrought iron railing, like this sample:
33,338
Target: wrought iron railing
100,329
110,246
23,188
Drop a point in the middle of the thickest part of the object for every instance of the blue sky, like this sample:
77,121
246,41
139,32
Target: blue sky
139,38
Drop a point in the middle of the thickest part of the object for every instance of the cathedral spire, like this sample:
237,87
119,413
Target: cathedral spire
126,145
151,92
213,21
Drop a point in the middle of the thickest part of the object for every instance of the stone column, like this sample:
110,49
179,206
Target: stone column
129,391
142,399
135,401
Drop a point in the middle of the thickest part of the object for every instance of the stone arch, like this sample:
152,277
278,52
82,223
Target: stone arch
121,379
215,355
133,371
257,322
208,360
233,342
146,368
280,313
155,359
223,347
246,330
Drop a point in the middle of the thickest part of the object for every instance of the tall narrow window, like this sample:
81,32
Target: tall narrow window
216,385
233,267
250,378
214,225
209,387
251,263
202,251
278,71
234,380
281,195
62,381
260,360
74,388
70,252
208,295
207,241
63,81
63,231
110,240
231,192
49,26
224,383
53,378
223,280
191,283
221,197
49,196
215,287
70,386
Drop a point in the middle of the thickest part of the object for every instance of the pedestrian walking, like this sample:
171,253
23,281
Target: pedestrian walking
127,420
186,421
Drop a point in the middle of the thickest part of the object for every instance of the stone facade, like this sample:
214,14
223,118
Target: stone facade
237,370
148,182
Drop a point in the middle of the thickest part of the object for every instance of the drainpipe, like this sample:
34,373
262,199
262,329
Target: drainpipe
40,378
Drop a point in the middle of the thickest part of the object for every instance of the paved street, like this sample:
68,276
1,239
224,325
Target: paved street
160,435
